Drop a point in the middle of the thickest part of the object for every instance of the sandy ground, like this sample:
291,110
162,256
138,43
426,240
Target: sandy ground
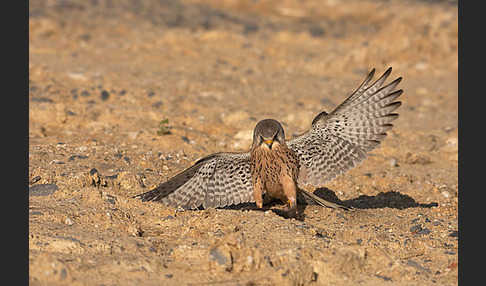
124,94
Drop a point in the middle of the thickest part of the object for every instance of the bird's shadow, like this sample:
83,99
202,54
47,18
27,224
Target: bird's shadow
391,199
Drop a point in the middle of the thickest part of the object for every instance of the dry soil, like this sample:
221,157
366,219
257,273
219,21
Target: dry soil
124,94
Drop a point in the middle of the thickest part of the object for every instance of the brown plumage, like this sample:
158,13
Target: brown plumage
274,167
335,142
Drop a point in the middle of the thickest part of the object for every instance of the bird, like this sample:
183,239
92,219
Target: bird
276,168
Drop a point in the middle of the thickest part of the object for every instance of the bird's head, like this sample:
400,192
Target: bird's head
268,133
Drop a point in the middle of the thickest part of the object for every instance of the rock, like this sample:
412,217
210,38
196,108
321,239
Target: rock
94,177
446,194
135,231
43,190
157,104
250,28
82,148
34,180
41,99
417,229
222,256
316,31
454,233
68,221
421,66
77,76
420,159
417,266
105,95
451,145
185,139
76,156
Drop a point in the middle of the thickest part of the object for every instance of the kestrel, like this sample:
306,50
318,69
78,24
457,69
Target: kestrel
280,168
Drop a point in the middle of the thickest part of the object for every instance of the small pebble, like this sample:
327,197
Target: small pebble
221,258
157,104
316,31
68,221
73,157
445,194
105,95
419,159
393,162
35,180
77,76
93,171
41,99
250,28
35,213
417,229
185,139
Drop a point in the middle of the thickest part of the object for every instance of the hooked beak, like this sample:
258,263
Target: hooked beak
269,143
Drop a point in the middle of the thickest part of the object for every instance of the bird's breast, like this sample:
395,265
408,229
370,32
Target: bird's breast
269,165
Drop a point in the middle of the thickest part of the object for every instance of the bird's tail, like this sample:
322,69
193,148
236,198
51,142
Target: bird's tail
322,202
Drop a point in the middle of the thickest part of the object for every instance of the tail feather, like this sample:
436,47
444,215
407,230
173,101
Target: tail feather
322,202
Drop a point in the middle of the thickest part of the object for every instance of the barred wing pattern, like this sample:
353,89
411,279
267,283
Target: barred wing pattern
218,180
338,141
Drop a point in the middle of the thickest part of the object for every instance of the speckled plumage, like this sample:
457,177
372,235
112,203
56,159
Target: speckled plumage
335,143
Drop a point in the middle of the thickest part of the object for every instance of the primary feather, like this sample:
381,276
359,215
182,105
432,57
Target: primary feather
338,141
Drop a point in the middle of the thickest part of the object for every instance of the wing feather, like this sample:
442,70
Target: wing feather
340,140
218,180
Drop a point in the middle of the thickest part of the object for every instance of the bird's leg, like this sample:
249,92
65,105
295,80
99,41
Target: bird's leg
290,191
257,193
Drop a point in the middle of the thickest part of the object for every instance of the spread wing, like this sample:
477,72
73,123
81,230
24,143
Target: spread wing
338,141
218,180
